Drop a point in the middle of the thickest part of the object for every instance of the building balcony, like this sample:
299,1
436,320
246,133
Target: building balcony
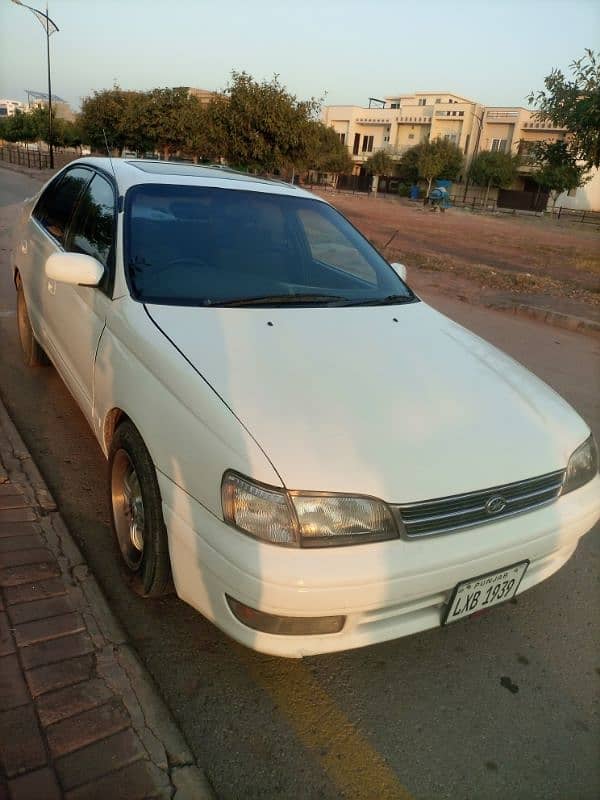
532,125
373,119
502,116
395,153
450,114
415,119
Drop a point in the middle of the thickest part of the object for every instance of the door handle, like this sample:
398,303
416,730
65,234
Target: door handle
51,286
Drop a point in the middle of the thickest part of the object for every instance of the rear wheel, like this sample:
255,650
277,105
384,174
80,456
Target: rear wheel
33,353
137,514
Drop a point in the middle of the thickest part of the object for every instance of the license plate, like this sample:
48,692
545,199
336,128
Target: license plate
484,592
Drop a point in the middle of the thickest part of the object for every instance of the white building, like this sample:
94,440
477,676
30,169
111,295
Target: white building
8,107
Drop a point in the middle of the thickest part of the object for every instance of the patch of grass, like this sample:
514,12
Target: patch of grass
502,280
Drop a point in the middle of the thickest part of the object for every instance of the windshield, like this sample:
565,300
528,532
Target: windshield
191,245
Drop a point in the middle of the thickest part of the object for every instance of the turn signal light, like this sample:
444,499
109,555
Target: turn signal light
284,626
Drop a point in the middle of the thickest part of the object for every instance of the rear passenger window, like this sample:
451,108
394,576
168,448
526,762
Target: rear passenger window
92,230
56,206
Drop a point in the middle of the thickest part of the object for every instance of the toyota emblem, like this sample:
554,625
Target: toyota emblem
495,504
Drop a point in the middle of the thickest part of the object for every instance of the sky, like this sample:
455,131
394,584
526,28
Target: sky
492,51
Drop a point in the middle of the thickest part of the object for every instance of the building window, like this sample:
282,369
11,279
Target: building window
367,146
461,113
342,137
467,140
356,144
498,146
422,101
395,105
411,136
438,99
450,137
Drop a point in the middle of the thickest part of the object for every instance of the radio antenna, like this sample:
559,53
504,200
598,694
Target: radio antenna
108,154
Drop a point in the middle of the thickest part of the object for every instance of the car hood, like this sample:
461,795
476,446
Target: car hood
398,402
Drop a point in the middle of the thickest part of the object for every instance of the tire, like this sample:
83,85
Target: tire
136,514
33,353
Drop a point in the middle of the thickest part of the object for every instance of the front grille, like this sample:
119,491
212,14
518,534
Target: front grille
448,514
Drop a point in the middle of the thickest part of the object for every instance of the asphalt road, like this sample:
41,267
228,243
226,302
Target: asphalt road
506,705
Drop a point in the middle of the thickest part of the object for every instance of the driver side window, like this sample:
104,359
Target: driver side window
92,230
55,207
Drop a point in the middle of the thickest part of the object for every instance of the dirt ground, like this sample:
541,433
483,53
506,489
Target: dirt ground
485,257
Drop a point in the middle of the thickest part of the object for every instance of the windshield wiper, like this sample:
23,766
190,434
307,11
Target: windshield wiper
279,299
390,300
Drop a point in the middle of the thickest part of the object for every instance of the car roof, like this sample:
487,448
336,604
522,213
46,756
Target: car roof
130,172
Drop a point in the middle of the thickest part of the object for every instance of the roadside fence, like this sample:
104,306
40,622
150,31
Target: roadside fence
32,158
577,215
558,213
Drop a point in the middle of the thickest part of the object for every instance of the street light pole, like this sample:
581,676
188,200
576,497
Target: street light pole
50,145
49,27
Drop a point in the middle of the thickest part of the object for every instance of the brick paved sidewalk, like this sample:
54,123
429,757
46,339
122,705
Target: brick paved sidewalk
79,716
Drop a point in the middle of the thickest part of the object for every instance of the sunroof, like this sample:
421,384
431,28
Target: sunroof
192,170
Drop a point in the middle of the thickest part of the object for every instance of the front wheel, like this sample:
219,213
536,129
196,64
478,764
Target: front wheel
33,353
137,517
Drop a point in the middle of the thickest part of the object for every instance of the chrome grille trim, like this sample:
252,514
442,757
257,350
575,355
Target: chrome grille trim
448,514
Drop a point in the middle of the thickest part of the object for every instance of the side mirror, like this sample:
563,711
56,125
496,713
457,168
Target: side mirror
74,268
400,270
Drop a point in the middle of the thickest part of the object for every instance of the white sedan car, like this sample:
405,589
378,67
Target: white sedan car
313,457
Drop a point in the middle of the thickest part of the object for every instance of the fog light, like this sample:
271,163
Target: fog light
285,626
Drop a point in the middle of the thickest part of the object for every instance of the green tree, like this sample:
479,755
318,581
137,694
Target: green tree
21,127
263,126
380,163
493,169
67,133
557,169
326,153
574,103
168,119
407,169
209,137
107,113
439,159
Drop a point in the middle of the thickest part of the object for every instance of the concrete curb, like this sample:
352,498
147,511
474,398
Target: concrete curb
41,175
555,318
116,659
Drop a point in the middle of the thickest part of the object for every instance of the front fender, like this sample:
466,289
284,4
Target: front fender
192,436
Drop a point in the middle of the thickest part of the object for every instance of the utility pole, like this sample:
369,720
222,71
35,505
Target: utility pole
475,151
49,27
50,145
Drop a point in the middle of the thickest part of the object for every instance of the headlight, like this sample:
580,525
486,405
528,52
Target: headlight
582,466
303,519
263,511
336,519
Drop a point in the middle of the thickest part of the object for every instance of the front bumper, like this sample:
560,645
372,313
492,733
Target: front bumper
386,590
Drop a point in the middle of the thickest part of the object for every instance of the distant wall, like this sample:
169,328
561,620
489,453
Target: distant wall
586,198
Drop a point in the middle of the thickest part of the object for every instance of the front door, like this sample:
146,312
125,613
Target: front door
46,234
76,315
